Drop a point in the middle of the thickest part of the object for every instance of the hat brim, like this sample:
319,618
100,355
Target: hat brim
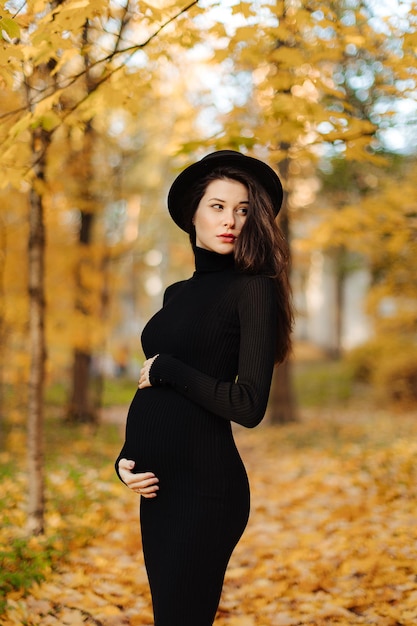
258,169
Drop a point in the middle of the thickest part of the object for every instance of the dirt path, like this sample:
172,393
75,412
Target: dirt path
114,414
332,538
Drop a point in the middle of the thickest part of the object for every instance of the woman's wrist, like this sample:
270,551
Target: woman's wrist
145,377
151,362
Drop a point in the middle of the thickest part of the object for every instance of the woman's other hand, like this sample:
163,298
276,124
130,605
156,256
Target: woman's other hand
144,373
146,483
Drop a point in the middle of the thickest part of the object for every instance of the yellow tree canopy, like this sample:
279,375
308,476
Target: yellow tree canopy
81,58
326,76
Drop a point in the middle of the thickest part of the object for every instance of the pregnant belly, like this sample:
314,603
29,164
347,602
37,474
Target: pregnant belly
164,428
173,437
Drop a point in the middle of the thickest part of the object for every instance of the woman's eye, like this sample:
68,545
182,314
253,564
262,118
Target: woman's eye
242,211
217,206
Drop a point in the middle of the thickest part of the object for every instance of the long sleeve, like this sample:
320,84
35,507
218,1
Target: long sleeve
244,399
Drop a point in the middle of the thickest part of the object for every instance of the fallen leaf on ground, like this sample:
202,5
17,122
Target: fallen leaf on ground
332,538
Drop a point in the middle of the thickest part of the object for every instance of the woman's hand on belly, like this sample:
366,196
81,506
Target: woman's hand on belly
144,373
145,483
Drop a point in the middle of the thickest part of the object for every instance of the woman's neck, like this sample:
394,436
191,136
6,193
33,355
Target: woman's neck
209,261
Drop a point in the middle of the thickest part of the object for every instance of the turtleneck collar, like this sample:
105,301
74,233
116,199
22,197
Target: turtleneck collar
208,261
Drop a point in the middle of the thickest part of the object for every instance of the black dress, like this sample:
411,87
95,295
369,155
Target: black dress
215,337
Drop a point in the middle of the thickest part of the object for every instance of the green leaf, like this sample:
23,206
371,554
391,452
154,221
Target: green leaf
10,30
49,121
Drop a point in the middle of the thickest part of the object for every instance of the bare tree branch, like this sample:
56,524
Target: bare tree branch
116,52
130,51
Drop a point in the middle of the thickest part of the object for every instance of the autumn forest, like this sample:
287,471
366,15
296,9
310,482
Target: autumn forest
102,104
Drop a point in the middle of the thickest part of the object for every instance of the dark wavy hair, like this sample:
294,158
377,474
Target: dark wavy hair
260,248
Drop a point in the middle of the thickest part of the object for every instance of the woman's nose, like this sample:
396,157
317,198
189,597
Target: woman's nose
229,219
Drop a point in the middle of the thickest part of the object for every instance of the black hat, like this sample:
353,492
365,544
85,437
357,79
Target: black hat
260,170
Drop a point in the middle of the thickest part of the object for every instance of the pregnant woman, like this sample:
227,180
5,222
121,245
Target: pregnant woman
210,353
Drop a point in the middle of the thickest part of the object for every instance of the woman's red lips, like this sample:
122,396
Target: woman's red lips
227,236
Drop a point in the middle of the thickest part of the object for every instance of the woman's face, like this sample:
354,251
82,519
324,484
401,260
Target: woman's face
220,215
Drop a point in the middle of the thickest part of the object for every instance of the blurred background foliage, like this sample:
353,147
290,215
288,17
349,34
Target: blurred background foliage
104,102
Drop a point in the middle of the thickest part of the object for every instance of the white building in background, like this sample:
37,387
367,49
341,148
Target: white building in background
316,301
357,326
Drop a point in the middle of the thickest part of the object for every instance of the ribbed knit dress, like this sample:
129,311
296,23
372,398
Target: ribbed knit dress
215,337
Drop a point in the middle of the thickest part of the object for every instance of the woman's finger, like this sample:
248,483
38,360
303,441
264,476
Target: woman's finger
142,479
144,373
144,483
126,464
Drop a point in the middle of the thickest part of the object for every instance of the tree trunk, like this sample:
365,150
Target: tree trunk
282,406
341,270
37,344
82,408
3,336
339,303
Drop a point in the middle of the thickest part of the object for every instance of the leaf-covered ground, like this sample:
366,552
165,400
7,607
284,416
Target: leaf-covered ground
332,537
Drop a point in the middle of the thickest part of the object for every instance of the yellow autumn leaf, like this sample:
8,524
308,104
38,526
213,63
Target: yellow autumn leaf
324,516
10,29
